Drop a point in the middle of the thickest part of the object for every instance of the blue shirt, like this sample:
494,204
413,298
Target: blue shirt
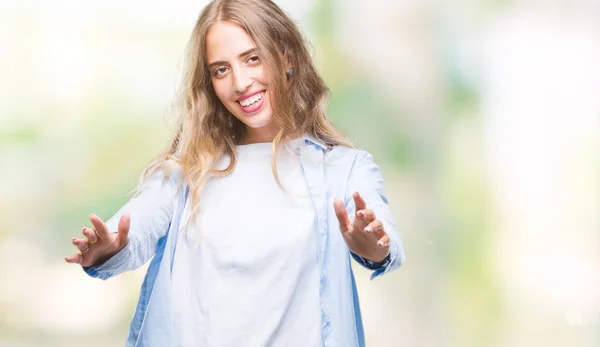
155,223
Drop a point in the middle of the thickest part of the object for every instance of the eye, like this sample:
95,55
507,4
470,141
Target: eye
253,59
219,71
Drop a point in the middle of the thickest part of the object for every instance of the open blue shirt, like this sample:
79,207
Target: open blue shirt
330,172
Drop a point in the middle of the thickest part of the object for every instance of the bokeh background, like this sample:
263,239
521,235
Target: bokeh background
484,116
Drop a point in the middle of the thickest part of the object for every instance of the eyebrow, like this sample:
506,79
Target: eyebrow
251,50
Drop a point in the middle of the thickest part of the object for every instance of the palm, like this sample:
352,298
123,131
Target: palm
99,244
364,235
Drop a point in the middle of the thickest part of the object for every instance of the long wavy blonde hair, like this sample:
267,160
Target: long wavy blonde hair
206,130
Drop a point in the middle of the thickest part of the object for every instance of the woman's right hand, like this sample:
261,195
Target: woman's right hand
99,244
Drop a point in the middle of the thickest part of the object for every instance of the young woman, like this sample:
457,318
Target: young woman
252,214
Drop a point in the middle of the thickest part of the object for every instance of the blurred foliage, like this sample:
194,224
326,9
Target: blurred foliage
62,159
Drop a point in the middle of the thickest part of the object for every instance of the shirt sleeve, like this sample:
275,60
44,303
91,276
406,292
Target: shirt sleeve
366,179
151,213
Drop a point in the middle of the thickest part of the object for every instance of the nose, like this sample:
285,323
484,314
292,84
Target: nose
241,80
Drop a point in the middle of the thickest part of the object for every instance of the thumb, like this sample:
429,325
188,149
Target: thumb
342,214
123,229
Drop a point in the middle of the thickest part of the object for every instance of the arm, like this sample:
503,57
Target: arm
366,179
150,216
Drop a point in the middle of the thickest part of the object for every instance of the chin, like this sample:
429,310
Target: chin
258,121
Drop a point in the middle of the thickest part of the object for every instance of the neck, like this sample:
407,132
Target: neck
257,135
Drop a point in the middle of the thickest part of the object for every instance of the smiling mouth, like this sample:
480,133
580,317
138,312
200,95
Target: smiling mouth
252,100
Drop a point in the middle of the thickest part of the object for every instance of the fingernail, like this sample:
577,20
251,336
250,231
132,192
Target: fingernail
361,214
382,244
368,229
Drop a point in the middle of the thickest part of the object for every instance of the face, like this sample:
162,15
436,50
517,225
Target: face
239,79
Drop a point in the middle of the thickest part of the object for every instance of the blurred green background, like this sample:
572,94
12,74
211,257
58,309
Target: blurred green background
483,115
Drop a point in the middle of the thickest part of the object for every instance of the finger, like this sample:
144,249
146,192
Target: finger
359,202
123,228
342,215
374,227
384,241
81,244
99,226
90,234
380,232
76,258
366,215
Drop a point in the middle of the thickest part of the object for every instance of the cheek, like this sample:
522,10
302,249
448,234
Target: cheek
259,75
221,90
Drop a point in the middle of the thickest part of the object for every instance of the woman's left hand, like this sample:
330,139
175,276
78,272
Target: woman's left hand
364,235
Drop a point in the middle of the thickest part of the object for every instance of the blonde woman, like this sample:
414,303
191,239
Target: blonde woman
253,212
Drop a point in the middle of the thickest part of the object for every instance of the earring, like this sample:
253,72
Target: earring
290,71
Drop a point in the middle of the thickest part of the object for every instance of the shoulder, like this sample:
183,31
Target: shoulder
341,161
165,180
348,155
355,163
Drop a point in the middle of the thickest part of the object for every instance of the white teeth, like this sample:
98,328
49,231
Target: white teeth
252,99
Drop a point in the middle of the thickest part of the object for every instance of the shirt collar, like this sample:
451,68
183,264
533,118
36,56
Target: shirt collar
311,140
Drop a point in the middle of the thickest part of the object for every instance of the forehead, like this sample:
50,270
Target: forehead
225,41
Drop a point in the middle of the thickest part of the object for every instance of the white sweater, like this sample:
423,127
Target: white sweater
252,280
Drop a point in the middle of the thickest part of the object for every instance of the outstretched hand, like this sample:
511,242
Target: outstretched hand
99,244
364,235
